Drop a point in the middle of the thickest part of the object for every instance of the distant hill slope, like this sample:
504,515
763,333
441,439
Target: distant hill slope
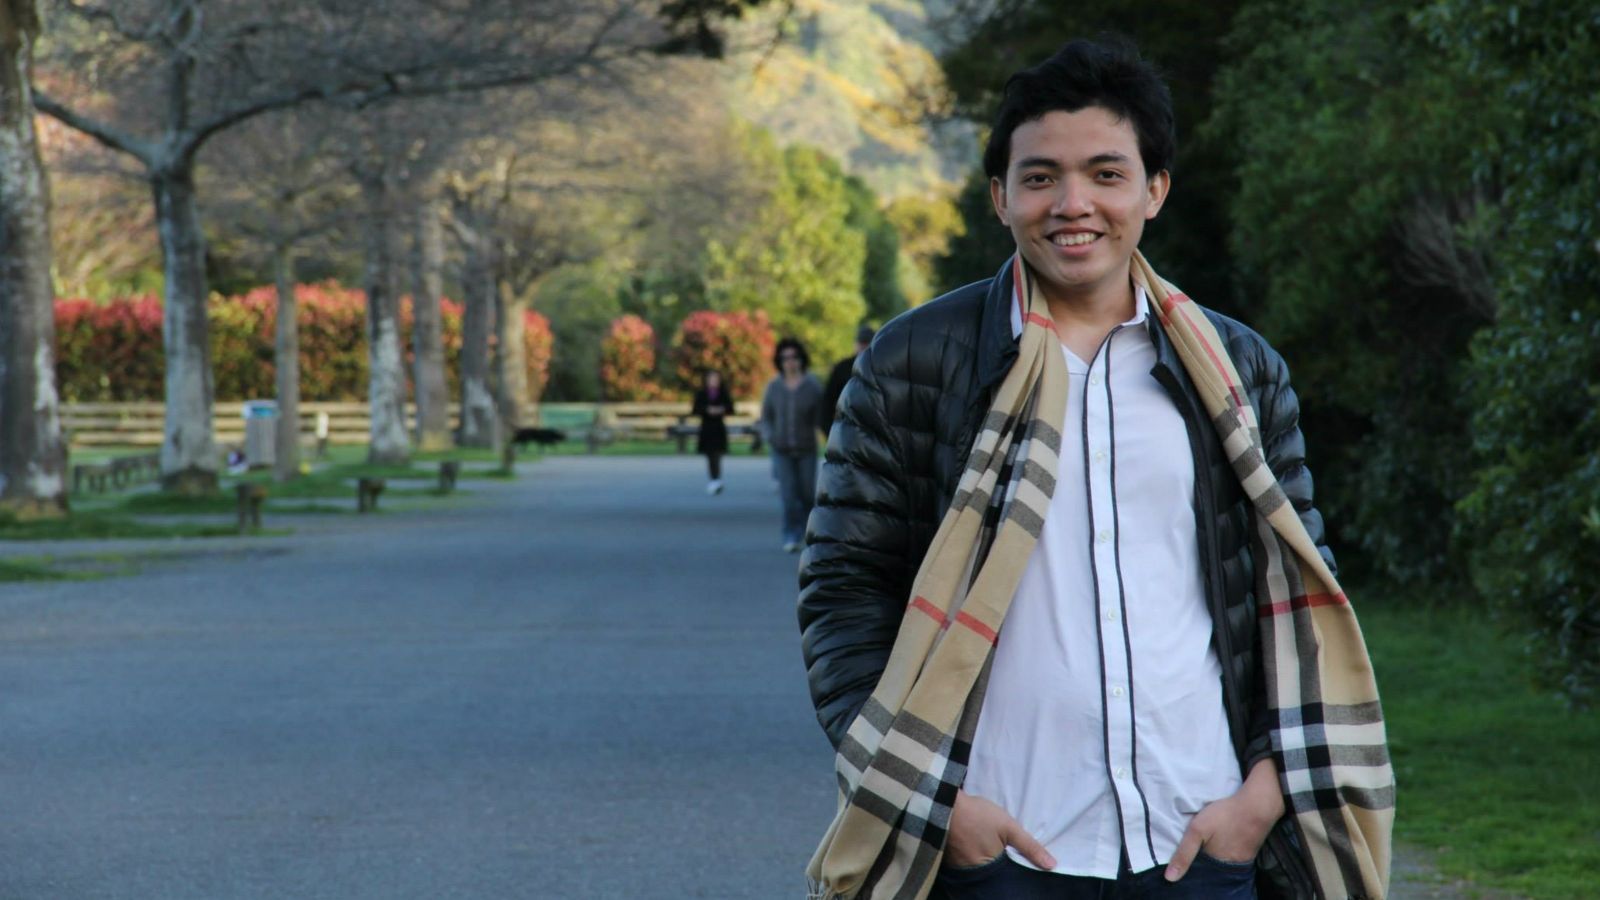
853,79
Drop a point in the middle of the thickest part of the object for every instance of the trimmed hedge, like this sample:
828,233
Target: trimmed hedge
112,352
737,344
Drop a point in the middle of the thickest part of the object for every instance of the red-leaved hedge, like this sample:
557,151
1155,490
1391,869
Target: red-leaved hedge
737,344
628,361
112,351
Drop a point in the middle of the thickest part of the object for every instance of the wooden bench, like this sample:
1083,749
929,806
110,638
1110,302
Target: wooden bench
251,496
686,429
449,471
367,491
117,472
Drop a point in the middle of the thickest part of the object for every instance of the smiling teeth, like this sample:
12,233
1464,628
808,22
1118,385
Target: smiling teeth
1073,240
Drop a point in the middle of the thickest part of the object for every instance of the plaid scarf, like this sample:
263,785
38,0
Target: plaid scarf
904,756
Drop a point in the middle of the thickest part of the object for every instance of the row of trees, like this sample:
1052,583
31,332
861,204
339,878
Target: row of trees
375,118
1403,196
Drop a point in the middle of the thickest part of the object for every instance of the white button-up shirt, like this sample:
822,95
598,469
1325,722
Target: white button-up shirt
1103,728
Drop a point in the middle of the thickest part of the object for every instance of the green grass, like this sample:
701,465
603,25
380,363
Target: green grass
1496,776
98,525
30,569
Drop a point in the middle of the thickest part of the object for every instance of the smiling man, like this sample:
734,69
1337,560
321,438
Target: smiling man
1067,612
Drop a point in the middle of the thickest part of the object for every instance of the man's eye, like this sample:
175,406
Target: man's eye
1035,180
1108,175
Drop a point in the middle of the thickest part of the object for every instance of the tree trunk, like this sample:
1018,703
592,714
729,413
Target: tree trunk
189,460
286,357
511,362
427,334
479,420
32,452
386,386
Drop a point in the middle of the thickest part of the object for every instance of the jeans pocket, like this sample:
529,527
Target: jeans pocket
969,873
1247,865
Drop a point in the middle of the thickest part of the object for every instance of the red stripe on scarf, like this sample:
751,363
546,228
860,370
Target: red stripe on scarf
1170,304
981,629
1278,609
1016,283
1037,319
933,612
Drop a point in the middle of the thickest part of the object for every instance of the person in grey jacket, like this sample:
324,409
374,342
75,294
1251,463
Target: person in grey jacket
789,410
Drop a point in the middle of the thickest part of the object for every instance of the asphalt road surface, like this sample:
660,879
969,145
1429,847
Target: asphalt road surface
584,684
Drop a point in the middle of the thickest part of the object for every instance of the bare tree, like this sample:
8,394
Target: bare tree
427,328
32,452
179,72
274,186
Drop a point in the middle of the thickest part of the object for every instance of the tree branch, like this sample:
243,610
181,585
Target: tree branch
141,150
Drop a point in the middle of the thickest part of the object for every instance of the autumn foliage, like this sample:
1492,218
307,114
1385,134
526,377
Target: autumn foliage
628,361
112,351
737,344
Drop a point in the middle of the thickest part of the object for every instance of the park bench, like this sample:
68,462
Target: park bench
367,491
449,471
117,472
688,428
251,496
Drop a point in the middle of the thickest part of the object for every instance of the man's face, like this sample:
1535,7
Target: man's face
1076,198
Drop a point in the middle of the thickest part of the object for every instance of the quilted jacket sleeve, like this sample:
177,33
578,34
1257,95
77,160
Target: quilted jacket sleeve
855,574
1278,411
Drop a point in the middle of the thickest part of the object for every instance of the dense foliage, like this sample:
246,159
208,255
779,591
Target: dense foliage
1532,519
628,360
738,345
798,264
1402,196
112,351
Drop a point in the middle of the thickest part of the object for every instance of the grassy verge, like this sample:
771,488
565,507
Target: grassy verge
1494,775
30,569
98,525
74,568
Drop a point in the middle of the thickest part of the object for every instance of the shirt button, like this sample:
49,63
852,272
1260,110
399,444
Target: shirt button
1095,379
1099,456
1121,772
1116,692
1104,536
1111,615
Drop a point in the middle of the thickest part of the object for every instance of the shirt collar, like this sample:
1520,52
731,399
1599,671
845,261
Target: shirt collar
1141,311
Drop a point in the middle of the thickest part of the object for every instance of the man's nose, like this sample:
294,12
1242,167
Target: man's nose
1072,199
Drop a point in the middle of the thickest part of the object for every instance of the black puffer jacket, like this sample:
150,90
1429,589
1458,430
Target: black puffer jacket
900,439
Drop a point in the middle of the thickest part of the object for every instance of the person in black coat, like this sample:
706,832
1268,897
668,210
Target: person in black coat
712,404
839,377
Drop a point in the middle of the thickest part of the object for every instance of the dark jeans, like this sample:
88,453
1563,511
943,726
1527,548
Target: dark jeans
714,465
1002,879
797,485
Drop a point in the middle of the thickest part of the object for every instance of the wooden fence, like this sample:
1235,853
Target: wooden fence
140,424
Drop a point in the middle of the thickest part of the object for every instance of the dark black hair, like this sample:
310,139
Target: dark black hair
790,343
1107,72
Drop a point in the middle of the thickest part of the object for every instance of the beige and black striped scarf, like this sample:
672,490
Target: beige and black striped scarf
904,757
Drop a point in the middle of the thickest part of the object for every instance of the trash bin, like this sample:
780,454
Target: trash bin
260,433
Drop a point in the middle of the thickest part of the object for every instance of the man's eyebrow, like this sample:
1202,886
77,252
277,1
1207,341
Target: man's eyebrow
1112,157
1037,162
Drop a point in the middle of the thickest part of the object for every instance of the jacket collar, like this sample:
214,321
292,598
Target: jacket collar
997,349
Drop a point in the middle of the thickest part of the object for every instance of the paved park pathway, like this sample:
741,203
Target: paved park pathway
583,684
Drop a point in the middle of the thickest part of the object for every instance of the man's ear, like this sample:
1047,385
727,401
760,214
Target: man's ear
997,196
1159,185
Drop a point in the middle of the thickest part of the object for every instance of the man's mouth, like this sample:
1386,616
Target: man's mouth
1074,240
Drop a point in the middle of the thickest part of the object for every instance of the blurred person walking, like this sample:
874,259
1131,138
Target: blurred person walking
839,377
712,404
789,412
